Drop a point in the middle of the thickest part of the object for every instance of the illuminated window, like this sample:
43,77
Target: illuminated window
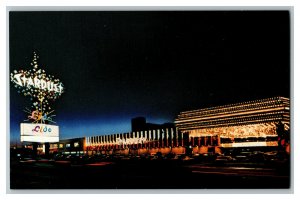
68,145
61,146
76,144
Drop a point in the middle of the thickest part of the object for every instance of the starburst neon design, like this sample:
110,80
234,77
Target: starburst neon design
41,88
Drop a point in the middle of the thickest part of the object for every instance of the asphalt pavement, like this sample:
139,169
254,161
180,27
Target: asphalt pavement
147,174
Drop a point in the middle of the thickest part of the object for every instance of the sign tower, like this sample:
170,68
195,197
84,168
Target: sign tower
42,89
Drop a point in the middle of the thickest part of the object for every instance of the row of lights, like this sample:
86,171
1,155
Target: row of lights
229,124
242,104
128,135
229,110
137,142
225,128
216,113
173,140
247,117
109,138
238,121
170,147
253,130
276,100
134,142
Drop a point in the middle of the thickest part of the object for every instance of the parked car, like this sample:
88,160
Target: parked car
221,159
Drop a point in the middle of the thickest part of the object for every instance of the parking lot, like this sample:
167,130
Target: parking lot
151,172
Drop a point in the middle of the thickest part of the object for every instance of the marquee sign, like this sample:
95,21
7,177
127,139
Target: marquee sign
39,133
42,89
32,81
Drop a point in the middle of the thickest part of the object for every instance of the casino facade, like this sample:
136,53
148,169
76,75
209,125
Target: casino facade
261,124
254,124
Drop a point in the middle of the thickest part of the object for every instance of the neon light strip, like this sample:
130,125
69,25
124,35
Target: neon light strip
180,117
249,144
273,100
229,124
237,114
217,113
244,118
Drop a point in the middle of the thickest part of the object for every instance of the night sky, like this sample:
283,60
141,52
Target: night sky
120,65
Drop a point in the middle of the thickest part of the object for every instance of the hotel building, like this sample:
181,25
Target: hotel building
261,124
252,124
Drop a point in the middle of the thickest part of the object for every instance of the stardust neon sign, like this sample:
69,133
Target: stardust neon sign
37,83
41,88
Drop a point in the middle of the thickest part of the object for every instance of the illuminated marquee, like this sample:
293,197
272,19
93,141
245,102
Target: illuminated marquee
39,133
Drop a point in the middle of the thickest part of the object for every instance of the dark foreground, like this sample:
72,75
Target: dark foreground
148,174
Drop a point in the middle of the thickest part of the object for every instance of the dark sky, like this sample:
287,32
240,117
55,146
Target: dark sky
120,65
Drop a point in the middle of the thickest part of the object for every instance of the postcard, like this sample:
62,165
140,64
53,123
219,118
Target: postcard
150,99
